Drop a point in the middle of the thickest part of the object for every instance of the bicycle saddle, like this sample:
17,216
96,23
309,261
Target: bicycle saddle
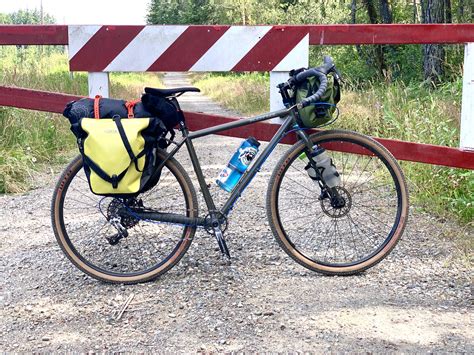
169,92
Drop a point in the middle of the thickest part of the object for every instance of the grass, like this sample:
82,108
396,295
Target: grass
29,140
245,93
407,112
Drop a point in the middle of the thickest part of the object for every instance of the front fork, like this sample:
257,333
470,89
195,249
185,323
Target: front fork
326,192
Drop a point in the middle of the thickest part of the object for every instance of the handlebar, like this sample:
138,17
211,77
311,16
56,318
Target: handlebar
321,73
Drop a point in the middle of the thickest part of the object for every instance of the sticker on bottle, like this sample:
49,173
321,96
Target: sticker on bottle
224,175
246,155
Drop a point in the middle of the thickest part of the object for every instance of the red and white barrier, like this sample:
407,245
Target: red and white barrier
416,152
186,48
102,49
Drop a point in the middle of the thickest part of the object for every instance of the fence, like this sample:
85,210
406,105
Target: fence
261,48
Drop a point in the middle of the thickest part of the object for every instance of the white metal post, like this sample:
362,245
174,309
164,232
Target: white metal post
98,84
467,111
276,77
297,58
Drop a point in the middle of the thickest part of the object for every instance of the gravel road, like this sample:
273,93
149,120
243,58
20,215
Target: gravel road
417,300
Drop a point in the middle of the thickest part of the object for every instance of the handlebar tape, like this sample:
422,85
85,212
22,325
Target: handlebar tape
321,73
323,84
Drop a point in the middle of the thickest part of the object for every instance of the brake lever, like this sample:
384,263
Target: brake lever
337,75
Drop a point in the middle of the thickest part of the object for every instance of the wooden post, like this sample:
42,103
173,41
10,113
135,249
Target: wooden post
467,111
98,84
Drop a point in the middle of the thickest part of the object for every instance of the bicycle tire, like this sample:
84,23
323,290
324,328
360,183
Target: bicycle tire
92,267
389,170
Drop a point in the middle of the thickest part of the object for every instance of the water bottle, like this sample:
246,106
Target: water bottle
324,163
238,164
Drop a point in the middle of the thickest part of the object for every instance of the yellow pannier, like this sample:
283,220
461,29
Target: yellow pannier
119,151
114,154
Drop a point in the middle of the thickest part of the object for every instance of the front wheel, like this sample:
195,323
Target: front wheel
85,226
348,238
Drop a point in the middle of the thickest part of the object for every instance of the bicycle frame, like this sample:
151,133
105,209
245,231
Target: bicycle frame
289,121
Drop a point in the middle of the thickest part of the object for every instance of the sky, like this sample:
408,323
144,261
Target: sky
85,12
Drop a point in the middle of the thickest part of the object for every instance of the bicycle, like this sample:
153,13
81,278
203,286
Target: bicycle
338,230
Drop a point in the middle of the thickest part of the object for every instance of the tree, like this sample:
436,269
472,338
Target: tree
433,11
374,17
30,17
181,12
448,10
386,11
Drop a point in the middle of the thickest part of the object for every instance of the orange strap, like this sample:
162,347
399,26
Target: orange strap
96,106
130,105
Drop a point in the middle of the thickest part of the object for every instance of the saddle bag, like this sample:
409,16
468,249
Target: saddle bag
118,142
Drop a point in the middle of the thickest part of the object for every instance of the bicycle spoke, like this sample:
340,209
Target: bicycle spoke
363,170
298,193
361,233
377,219
83,194
304,187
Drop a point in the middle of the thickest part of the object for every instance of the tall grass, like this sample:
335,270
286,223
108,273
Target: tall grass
31,139
414,113
407,112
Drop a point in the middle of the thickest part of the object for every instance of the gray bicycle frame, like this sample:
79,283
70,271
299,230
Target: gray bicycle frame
289,121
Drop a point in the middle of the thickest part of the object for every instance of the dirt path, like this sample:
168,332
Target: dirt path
193,101
417,300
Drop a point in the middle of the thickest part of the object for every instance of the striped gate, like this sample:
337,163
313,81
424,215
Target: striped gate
102,49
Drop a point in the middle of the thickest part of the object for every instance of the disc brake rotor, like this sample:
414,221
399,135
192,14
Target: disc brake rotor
333,212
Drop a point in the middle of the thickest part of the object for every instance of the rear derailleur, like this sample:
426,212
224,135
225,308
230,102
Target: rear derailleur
119,220
121,231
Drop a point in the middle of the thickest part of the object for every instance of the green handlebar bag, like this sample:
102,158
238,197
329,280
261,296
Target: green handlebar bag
321,112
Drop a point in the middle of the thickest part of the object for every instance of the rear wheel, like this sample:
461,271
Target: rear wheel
134,250
347,238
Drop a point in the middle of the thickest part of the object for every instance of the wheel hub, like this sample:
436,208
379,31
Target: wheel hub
338,206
